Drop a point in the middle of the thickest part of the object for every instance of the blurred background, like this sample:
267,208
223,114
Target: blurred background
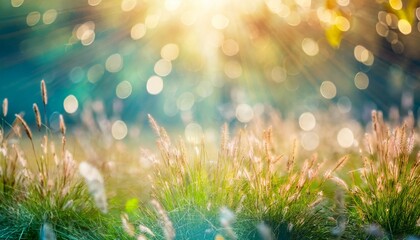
195,64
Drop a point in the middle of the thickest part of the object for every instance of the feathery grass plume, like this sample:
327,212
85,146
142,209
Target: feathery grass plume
17,130
375,230
44,92
47,232
389,193
340,163
13,176
69,167
63,143
28,132
5,107
167,227
291,159
62,125
164,142
317,201
147,230
127,226
37,116
25,126
95,183
340,182
154,125
224,138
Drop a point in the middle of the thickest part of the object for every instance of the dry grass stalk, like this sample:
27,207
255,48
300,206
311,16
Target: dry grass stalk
154,125
25,126
62,125
44,145
268,142
145,229
317,201
5,107
44,93
37,116
164,142
224,138
340,163
291,159
17,130
340,182
69,168
63,143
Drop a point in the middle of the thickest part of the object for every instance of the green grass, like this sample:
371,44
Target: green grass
24,221
255,186
387,191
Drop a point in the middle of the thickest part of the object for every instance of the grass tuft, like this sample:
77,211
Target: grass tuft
386,192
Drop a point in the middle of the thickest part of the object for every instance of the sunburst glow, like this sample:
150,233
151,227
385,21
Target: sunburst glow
283,49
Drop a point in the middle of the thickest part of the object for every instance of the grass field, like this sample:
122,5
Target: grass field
256,183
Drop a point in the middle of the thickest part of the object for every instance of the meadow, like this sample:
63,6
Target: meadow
257,182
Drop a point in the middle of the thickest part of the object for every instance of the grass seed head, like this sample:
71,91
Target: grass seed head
5,106
62,125
145,229
44,92
375,230
127,226
37,116
224,138
25,126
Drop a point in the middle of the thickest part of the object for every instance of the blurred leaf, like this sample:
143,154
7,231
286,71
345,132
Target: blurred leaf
131,205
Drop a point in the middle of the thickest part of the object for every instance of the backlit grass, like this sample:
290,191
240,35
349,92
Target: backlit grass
258,184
